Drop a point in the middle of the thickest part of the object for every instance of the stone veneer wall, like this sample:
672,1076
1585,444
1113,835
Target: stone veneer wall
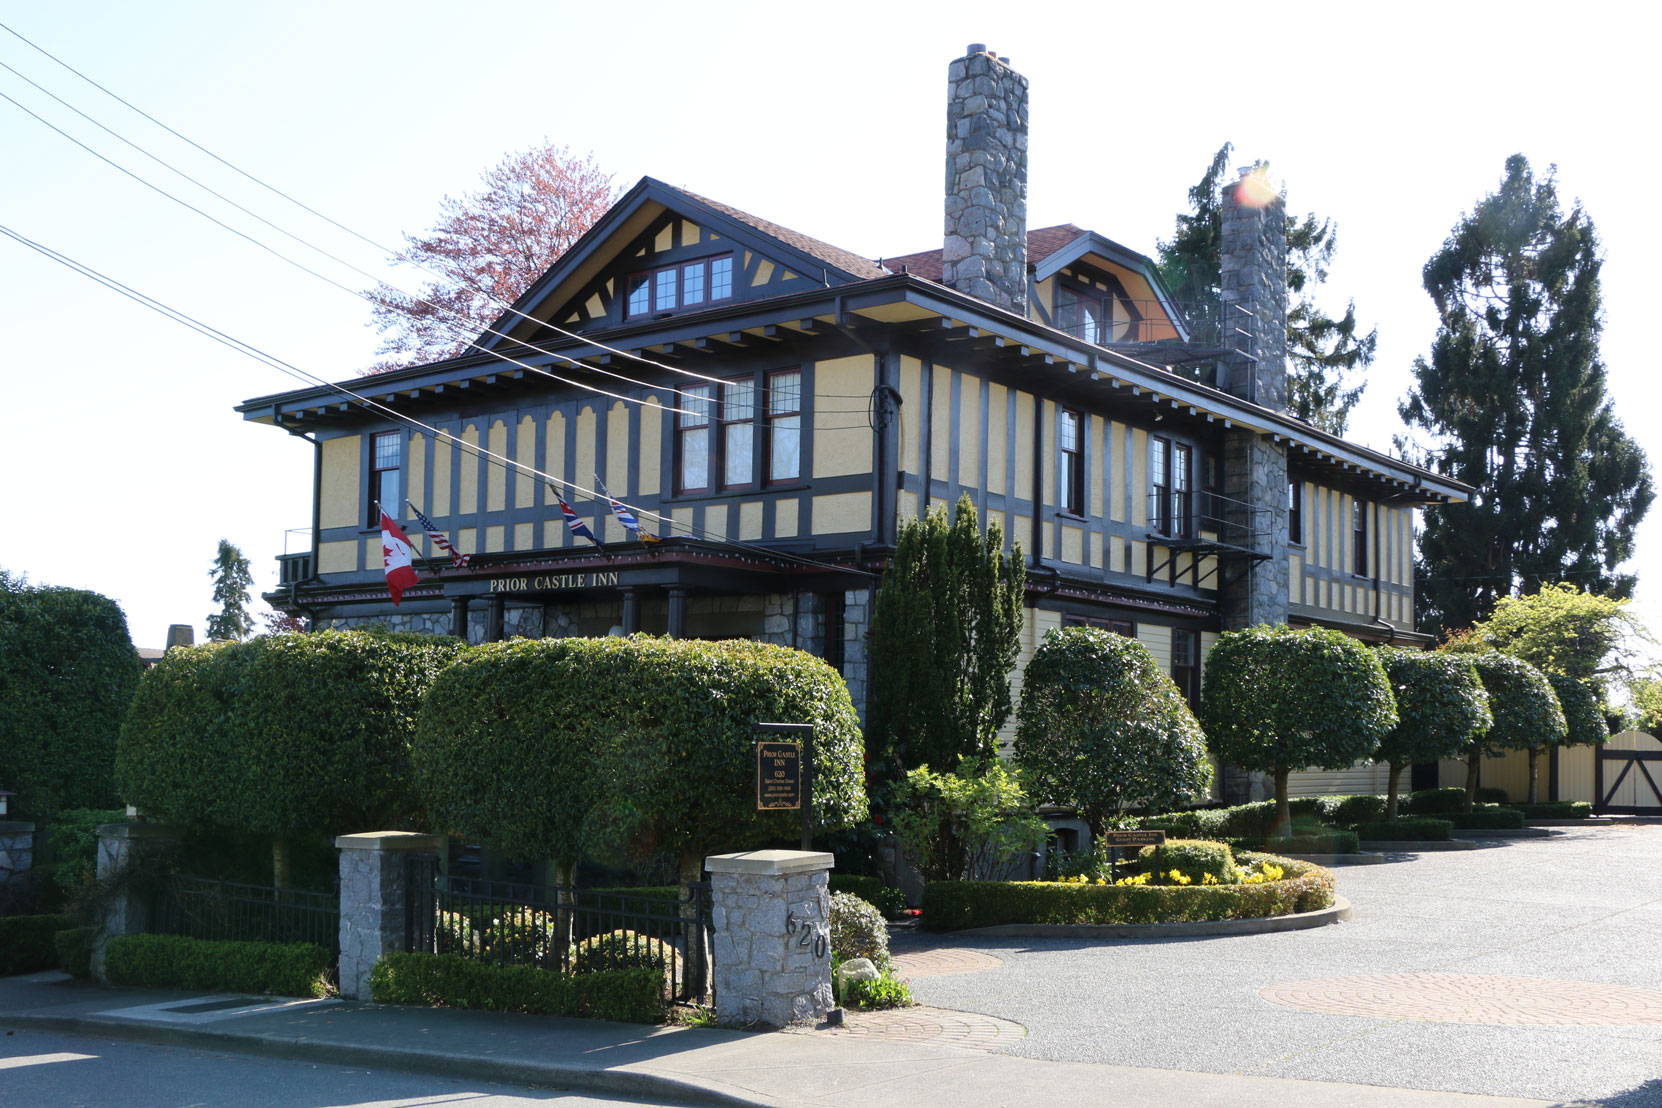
17,854
985,249
1255,278
770,915
856,622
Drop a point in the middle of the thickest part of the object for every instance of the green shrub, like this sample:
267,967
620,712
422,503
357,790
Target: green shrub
74,837
1323,840
556,748
1488,794
1278,700
1102,727
68,668
951,905
175,962
1487,819
1527,715
74,948
519,935
891,902
452,981
963,824
26,943
1192,858
1348,811
1441,708
1405,829
1558,809
620,950
858,930
887,991
1436,802
284,735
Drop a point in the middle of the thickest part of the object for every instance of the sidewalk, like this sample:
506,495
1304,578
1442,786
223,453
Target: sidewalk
680,1065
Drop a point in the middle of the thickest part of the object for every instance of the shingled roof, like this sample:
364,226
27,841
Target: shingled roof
836,257
1041,244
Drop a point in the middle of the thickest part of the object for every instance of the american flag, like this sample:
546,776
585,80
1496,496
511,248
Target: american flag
457,558
574,522
630,523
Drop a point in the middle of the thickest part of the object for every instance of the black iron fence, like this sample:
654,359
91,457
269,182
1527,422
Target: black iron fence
561,929
206,909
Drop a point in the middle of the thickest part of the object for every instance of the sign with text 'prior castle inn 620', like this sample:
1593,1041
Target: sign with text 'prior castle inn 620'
778,776
544,582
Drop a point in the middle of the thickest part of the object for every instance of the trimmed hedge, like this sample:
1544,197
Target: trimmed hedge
1557,809
175,962
890,901
1248,826
951,905
1191,858
452,981
74,947
1436,802
1328,840
1410,829
1487,819
26,943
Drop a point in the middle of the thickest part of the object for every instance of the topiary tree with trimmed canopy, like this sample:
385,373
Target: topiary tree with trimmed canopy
67,672
1276,700
1101,727
1527,715
1441,708
1584,720
283,736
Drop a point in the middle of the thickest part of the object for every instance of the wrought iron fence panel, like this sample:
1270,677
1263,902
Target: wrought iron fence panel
202,908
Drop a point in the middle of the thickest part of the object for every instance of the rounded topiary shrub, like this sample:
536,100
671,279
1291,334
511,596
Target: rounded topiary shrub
1102,727
1195,859
1277,700
1527,715
616,950
1441,708
858,930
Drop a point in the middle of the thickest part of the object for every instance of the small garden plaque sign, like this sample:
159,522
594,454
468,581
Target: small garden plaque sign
778,776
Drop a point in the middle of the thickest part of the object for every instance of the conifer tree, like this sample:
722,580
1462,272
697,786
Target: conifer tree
1322,352
232,578
1513,394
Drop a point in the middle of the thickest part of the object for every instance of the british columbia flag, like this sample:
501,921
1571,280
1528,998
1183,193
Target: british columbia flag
630,523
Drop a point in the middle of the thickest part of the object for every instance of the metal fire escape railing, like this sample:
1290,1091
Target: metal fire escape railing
1217,530
1192,338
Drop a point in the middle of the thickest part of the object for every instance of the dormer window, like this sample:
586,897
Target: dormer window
682,285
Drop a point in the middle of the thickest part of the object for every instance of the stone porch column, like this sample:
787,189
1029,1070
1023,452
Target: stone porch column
771,917
373,900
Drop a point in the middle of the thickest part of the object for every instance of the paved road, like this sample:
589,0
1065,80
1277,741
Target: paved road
51,1070
1581,907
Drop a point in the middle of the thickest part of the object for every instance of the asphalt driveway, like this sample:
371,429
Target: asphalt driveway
1579,912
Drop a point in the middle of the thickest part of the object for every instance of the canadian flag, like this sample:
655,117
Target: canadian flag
395,550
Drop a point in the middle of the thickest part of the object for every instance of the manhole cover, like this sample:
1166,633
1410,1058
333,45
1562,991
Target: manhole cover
1473,998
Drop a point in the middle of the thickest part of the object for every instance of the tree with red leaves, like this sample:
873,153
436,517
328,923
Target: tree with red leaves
485,250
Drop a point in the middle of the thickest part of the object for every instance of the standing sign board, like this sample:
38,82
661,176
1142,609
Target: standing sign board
785,772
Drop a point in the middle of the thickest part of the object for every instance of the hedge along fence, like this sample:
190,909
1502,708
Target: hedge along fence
175,962
285,735
452,981
27,943
563,747
953,905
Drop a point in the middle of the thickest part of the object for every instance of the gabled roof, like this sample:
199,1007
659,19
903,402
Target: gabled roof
634,211
1041,244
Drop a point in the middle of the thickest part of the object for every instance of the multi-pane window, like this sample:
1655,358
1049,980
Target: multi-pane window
1211,504
1117,626
1295,512
1070,475
1359,537
692,439
1159,484
738,434
1081,313
683,285
386,456
1185,664
784,425
1180,491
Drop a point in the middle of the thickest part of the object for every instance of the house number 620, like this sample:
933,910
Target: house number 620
809,933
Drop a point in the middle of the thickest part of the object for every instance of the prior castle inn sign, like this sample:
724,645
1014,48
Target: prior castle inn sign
550,582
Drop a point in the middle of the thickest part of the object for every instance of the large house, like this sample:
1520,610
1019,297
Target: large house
772,407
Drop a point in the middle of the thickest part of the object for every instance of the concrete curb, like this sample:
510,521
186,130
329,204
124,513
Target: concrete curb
1421,847
1300,921
625,1083
1364,858
1501,833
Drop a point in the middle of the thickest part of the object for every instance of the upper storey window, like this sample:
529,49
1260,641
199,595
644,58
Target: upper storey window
386,456
682,285
1082,312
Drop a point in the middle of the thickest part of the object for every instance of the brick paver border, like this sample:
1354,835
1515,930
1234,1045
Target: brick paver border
943,961
938,1026
1474,998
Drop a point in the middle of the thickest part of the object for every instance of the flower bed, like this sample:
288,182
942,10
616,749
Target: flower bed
1303,887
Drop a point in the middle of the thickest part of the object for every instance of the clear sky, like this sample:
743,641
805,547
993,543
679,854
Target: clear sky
124,463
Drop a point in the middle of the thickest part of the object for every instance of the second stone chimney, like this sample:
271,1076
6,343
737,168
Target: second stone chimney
1255,289
180,634
985,252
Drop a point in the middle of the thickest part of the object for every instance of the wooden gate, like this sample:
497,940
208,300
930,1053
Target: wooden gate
1627,775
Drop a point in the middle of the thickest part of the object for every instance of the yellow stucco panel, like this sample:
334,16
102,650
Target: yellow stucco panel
665,240
1093,478
525,453
784,519
584,467
1116,462
1024,458
907,505
617,450
1073,543
467,540
715,522
652,440
689,233
494,539
554,448
524,536
911,403
341,483
683,520
940,423
337,557
998,399
441,475
1096,550
1139,478
418,471
1048,484
842,440
969,433
1139,558
496,473
750,520
842,513
552,533
467,499
764,272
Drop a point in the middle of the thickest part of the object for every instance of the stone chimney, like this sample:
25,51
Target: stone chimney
1255,289
180,634
985,252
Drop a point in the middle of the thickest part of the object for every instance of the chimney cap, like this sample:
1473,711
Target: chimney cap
975,48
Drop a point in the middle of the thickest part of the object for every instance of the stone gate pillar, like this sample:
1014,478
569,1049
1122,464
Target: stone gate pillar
17,854
127,909
771,914
373,900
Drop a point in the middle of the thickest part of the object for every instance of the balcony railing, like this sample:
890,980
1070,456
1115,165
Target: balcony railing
1191,518
292,569
1209,327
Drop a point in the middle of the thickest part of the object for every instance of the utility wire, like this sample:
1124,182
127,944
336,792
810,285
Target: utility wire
385,250
249,350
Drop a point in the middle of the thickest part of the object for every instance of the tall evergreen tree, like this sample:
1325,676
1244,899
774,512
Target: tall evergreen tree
232,579
944,635
1322,352
1514,395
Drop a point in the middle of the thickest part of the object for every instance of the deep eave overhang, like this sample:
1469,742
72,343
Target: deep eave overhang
1067,361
